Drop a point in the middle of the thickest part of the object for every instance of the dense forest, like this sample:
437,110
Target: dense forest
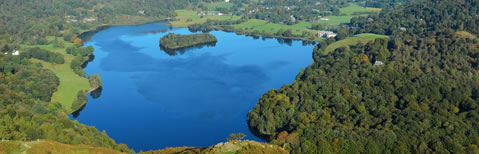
173,41
416,92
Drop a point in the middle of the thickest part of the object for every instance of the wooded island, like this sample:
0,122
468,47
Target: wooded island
174,41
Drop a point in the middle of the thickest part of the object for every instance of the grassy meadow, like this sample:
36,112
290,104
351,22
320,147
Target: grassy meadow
347,13
188,17
70,83
364,38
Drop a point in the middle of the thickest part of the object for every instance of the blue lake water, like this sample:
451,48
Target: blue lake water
152,100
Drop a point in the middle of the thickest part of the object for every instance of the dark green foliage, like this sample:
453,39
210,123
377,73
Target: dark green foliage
43,54
95,81
208,25
175,41
30,21
76,65
82,98
80,51
423,98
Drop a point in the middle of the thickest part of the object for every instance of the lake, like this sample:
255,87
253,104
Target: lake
152,99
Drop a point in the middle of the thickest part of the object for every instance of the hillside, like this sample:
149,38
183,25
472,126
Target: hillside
226,147
46,146
422,98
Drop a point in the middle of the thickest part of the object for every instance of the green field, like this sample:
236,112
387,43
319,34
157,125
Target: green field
347,14
365,38
188,17
70,83
336,20
352,8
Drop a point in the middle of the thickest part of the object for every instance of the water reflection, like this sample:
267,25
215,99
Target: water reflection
77,112
95,94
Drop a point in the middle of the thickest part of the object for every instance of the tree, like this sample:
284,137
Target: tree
77,42
341,35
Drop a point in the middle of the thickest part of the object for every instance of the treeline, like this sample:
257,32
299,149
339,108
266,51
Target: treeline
43,54
209,24
80,51
173,41
26,113
417,92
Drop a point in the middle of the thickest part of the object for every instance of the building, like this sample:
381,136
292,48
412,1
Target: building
14,52
293,19
326,34
227,0
141,12
378,63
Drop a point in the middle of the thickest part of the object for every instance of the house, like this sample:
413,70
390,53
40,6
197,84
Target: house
293,19
219,14
378,63
403,29
318,3
326,34
141,12
227,0
14,52
324,18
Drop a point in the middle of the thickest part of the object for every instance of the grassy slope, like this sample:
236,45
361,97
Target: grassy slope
227,147
352,8
70,83
46,146
348,14
184,15
353,41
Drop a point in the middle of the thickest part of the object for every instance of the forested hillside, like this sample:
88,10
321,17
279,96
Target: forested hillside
27,114
416,92
33,20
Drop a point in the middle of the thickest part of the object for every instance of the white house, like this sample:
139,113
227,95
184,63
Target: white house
227,0
15,52
326,34
378,63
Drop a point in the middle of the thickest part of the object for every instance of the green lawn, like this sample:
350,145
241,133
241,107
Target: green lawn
352,8
188,17
336,20
365,37
70,83
348,14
